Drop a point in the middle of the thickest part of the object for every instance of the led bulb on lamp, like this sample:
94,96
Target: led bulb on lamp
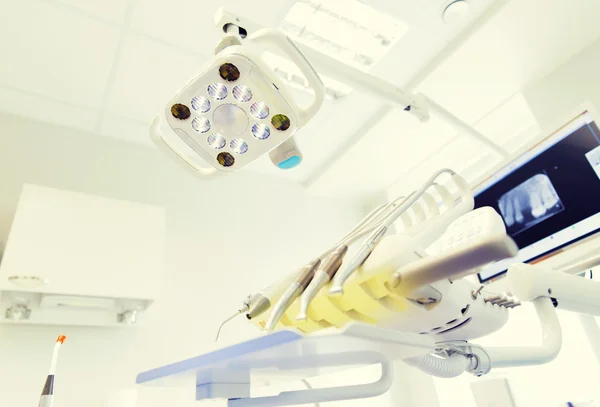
259,110
201,125
261,131
201,104
217,91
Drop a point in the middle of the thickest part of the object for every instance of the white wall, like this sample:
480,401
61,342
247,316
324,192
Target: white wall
574,374
224,239
556,95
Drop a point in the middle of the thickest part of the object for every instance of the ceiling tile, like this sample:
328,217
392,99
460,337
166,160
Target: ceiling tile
189,24
480,168
54,52
427,37
148,76
501,131
457,155
43,109
525,38
335,124
392,148
126,129
109,10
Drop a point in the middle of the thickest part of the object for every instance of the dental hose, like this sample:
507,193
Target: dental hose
453,366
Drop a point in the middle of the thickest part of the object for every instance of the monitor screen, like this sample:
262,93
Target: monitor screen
549,197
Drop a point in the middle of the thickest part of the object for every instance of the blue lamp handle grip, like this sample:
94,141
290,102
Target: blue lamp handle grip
289,48
286,155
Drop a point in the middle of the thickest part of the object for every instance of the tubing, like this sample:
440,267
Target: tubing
450,367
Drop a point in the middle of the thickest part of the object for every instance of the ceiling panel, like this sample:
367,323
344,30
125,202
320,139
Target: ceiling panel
148,76
189,24
468,157
55,52
41,108
456,155
525,39
497,128
427,36
126,129
324,138
110,10
393,147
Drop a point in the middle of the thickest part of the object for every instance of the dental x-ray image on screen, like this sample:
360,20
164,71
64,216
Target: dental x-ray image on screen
529,203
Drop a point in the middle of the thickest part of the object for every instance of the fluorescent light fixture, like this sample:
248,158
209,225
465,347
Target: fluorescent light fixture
347,30
291,75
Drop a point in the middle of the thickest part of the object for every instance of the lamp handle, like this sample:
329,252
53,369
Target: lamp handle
162,143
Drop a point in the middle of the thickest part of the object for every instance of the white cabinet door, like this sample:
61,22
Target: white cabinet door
84,245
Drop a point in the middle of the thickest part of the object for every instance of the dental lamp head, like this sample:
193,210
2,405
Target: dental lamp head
236,109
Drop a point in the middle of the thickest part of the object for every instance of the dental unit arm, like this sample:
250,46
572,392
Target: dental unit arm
408,284
408,301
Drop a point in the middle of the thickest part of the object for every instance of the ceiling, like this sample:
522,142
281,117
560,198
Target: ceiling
108,66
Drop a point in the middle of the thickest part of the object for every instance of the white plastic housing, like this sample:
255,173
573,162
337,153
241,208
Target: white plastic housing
473,240
77,259
571,292
458,316
264,89
232,118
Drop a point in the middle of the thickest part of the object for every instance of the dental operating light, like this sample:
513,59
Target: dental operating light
237,110
240,108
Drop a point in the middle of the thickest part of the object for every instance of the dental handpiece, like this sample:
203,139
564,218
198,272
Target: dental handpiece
323,275
251,299
270,294
360,257
296,288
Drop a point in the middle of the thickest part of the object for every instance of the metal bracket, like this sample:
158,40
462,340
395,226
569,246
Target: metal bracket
481,363
289,398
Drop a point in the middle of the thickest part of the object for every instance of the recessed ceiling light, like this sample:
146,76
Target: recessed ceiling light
455,11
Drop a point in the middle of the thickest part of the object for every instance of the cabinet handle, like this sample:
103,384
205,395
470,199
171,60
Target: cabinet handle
27,281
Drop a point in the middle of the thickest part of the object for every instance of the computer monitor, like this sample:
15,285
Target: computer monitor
548,197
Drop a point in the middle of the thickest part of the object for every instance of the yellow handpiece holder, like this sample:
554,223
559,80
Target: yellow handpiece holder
368,295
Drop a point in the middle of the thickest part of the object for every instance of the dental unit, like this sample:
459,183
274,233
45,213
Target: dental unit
413,281
404,266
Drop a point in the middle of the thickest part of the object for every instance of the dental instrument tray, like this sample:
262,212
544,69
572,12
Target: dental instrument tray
228,373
